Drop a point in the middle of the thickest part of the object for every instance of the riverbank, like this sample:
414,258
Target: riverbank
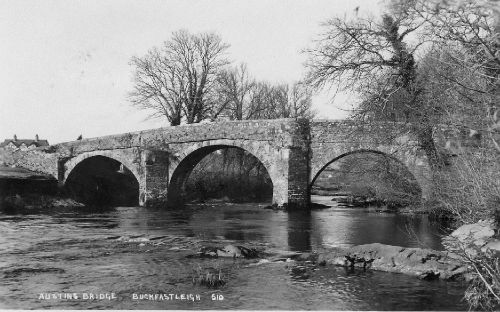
23,190
22,181
34,203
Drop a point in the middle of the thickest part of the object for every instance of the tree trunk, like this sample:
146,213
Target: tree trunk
426,142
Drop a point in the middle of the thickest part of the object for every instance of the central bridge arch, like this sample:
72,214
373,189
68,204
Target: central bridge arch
186,160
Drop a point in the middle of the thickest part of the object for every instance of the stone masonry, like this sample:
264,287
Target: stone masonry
294,152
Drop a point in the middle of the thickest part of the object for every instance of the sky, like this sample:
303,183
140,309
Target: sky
65,64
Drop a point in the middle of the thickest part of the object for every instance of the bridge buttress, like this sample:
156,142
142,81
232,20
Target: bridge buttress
154,182
299,167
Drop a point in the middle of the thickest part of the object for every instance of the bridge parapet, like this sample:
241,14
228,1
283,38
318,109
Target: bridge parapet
342,131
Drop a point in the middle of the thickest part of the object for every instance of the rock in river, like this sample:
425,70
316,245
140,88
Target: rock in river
228,251
423,263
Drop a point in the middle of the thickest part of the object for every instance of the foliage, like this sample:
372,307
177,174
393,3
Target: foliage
468,34
484,289
470,189
435,64
467,74
375,58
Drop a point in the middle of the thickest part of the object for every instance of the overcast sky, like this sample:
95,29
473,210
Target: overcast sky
64,65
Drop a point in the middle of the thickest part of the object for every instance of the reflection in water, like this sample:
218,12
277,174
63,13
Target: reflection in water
299,230
339,226
77,251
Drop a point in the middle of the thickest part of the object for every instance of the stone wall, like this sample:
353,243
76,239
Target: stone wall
42,159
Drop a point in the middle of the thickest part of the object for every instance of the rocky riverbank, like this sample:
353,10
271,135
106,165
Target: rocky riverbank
422,263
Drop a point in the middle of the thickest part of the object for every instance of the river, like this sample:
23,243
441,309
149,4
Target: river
79,251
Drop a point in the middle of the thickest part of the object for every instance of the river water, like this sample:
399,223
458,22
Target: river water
45,257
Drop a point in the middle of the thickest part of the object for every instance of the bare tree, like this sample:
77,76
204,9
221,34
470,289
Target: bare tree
241,97
261,104
281,101
300,101
158,86
468,33
176,80
376,59
235,91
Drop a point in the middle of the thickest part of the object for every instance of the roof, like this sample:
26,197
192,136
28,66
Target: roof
26,142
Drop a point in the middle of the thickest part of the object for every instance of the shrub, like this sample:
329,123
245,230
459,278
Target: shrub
484,288
469,189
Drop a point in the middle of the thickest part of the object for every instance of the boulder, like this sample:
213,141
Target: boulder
228,251
477,233
306,256
469,239
422,263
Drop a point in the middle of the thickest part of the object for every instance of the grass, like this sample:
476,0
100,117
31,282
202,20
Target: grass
210,277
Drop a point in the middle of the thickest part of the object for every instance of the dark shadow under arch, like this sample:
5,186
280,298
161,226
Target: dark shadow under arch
102,181
176,193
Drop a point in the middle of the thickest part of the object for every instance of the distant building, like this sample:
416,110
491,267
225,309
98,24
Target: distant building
23,144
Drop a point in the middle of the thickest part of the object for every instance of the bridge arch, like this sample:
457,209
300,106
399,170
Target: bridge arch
102,177
124,159
187,159
409,165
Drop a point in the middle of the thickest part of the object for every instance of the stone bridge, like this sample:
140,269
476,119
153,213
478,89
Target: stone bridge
293,151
